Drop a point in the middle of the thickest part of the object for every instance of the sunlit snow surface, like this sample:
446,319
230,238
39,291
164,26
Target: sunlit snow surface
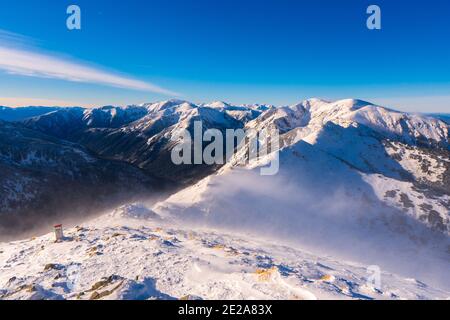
133,254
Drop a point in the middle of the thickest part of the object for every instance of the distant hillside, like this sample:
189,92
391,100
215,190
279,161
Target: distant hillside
19,114
443,116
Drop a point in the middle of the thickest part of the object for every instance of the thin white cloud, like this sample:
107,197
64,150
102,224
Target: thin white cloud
19,60
16,39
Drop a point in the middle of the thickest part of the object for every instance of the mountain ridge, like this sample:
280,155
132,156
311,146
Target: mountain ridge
409,148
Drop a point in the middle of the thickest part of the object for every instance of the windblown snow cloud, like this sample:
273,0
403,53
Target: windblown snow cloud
28,62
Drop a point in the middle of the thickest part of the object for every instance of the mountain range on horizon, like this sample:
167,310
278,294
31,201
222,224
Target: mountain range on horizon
139,137
356,180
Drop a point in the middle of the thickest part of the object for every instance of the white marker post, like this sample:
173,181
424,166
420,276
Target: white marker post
59,236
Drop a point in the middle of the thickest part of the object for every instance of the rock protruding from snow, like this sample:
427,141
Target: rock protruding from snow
136,211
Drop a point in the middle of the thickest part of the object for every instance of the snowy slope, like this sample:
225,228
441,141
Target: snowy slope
42,177
133,254
345,136
320,203
310,115
68,122
348,186
147,142
20,114
409,148
140,135
443,116
241,112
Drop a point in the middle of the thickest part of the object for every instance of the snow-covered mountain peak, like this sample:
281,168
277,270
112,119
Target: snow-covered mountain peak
312,111
312,103
352,103
410,128
163,105
221,105
112,116
311,115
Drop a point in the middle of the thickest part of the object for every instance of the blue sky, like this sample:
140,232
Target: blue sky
245,51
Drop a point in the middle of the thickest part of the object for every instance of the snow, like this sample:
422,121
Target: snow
347,191
394,192
22,113
311,115
422,166
128,257
409,127
135,210
330,193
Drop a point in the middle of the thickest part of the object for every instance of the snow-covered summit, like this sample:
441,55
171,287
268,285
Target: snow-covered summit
311,115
